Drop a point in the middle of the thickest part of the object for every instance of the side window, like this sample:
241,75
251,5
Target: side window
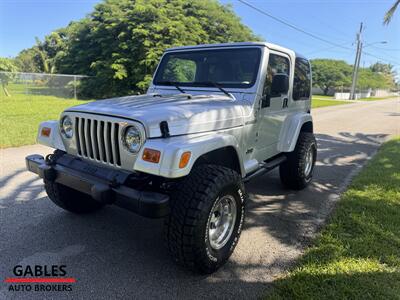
276,65
302,80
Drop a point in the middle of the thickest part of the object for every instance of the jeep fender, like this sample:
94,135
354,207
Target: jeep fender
172,148
54,139
291,129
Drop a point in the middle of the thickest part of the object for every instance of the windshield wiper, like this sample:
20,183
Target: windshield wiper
218,86
175,84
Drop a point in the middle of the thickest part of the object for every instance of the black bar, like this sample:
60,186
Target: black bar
267,166
103,184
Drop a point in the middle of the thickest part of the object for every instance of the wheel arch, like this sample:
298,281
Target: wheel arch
293,125
307,127
226,156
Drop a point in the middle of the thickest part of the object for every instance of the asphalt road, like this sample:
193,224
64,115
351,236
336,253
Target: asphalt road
116,254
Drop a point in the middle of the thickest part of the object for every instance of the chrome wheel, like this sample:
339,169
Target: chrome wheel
309,160
221,221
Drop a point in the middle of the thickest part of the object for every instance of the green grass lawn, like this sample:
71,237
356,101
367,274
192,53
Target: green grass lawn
357,255
315,103
21,114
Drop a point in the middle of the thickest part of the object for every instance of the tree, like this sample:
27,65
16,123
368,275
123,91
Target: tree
382,68
42,57
368,79
8,66
389,14
386,74
120,43
28,61
329,73
50,50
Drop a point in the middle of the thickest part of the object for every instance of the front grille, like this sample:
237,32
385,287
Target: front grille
98,140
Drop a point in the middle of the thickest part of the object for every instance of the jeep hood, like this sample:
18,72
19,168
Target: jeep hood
184,113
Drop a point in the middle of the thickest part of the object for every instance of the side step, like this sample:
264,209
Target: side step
266,166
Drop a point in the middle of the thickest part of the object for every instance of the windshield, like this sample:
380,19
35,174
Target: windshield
236,68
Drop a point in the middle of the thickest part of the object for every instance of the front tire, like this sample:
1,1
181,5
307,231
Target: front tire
70,199
297,171
207,213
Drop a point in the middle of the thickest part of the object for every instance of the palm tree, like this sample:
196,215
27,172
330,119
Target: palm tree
43,55
390,12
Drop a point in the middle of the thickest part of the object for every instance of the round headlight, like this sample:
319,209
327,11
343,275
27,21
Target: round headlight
67,127
132,139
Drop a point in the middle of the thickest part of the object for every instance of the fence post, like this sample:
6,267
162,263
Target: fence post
25,85
75,87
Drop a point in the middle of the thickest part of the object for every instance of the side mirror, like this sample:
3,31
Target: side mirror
280,84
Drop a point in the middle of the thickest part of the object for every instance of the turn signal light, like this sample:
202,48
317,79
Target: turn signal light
185,157
45,131
151,155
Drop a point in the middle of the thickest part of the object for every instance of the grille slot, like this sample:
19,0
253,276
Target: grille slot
98,140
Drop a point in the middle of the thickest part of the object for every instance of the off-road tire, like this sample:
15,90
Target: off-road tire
70,199
292,171
186,228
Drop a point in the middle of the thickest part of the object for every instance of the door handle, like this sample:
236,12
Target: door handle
285,102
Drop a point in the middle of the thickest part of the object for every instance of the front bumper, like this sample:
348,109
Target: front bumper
103,184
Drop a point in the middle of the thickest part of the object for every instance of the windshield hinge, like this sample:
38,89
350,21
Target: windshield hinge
164,129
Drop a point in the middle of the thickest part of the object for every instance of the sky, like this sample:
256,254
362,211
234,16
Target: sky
337,21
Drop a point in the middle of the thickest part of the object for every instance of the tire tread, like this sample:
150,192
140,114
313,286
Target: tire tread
290,172
187,205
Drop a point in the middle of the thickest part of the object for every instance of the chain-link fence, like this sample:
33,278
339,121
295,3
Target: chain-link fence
58,85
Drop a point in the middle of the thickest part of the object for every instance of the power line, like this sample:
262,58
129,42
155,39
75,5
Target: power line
292,26
387,49
282,21
385,54
328,24
325,49
383,59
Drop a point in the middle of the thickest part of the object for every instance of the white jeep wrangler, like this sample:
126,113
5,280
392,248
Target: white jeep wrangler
214,117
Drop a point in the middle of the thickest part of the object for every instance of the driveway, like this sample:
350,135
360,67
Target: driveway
116,254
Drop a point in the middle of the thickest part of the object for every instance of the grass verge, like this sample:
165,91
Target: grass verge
323,97
315,103
357,255
21,114
377,98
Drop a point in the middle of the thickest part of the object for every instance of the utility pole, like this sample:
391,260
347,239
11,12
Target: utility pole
356,64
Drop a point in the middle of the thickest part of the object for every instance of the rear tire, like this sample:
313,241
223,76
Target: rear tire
297,171
70,199
207,213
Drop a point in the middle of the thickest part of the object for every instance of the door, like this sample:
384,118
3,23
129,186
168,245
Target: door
273,107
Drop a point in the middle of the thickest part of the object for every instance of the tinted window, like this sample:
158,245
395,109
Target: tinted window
302,80
276,65
227,67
